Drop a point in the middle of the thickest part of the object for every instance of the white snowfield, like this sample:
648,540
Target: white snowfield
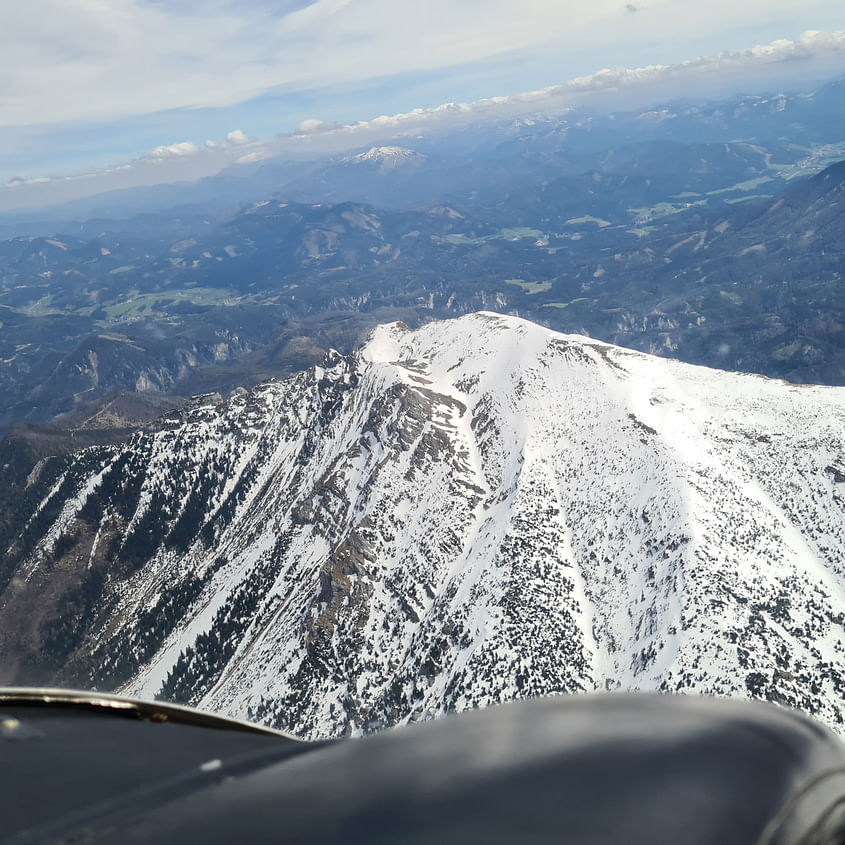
483,509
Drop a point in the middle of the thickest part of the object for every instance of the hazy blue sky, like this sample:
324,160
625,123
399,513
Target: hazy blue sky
118,92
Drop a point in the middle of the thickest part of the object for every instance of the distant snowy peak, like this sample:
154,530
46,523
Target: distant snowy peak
388,158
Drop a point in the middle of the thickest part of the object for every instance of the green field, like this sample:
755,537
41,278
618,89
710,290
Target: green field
137,304
463,240
530,287
662,209
514,234
521,232
588,218
749,185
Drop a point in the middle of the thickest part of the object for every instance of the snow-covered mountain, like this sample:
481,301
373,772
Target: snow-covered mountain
478,510
388,158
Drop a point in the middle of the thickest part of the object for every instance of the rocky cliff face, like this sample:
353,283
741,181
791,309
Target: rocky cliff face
478,510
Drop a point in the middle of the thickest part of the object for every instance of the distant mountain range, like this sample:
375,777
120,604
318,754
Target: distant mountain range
478,510
693,230
526,150
752,285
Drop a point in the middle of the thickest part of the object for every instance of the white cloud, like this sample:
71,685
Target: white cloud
313,15
237,138
163,153
22,181
314,126
214,154
91,60
17,183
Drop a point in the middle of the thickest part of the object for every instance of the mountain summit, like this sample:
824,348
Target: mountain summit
388,158
478,510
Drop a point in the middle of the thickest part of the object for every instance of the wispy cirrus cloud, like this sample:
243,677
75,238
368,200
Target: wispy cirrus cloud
63,60
91,60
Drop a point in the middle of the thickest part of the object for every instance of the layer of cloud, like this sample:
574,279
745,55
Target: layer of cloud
213,155
90,60
811,46
63,60
181,149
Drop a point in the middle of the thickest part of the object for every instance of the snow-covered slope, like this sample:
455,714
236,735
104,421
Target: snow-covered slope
478,510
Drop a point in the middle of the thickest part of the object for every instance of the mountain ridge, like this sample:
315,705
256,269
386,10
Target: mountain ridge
478,510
